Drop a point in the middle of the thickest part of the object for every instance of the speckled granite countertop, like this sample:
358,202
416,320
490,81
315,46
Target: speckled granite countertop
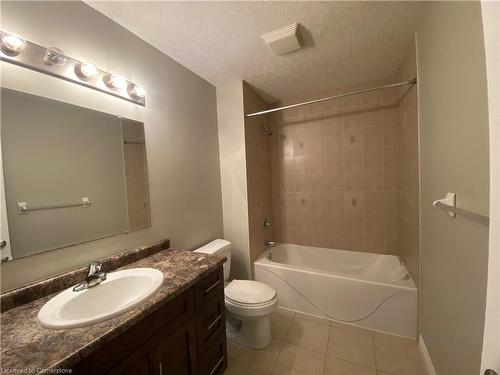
26,344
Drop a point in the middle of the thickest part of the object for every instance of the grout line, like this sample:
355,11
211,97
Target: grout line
327,344
275,361
306,349
354,363
374,352
290,324
282,343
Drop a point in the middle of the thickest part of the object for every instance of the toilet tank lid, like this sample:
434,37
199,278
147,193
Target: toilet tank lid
214,247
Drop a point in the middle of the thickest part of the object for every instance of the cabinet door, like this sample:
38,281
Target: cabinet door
130,367
176,355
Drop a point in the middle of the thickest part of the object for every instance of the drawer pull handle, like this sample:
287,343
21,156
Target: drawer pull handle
217,366
214,285
212,325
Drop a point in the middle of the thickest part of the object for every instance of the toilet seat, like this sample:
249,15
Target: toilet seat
248,298
249,292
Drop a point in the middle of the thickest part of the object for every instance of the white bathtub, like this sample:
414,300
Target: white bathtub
367,290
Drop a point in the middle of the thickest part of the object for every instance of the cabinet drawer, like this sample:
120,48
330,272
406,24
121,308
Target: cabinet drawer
212,285
210,323
214,361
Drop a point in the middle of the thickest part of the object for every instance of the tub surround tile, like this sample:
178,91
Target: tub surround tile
352,346
308,334
366,146
26,344
38,289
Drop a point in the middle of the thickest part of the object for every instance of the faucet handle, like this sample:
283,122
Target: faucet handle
94,268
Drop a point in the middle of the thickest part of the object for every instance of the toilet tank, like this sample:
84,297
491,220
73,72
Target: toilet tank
219,247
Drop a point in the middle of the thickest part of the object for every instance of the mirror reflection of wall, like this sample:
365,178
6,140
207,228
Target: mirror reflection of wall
136,174
57,155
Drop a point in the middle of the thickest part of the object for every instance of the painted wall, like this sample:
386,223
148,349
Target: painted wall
180,127
231,125
453,116
258,166
491,20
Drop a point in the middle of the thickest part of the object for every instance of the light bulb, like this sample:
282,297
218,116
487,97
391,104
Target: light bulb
12,44
85,71
136,91
115,82
54,56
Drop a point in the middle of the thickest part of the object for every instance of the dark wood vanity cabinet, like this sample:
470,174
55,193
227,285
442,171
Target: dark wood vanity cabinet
185,337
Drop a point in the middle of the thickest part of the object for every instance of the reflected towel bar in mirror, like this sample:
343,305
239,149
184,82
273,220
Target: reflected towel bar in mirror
448,203
25,207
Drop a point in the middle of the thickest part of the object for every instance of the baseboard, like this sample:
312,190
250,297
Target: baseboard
425,356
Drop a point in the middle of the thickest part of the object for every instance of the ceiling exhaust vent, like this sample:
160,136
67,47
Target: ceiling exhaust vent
284,40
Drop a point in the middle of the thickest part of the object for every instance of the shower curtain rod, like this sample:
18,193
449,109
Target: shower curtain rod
402,83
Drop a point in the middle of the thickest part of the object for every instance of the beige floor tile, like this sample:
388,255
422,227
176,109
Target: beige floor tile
280,322
352,346
398,356
336,366
293,360
308,334
235,368
261,360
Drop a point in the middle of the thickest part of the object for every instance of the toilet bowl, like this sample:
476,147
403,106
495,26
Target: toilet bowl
249,303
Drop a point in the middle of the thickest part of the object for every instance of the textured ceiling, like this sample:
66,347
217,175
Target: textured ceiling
345,42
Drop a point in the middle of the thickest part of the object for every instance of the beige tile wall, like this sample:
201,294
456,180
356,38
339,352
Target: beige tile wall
408,220
336,173
258,163
345,173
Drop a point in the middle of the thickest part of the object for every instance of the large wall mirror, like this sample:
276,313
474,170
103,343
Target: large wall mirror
71,174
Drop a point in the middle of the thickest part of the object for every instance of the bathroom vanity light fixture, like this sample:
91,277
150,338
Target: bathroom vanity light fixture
114,82
54,56
54,62
11,43
85,71
136,91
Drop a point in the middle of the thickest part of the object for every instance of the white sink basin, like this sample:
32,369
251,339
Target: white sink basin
121,291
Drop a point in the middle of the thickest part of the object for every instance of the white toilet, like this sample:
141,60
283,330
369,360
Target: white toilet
249,303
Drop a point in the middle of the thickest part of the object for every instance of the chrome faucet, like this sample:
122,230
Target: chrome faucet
94,278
